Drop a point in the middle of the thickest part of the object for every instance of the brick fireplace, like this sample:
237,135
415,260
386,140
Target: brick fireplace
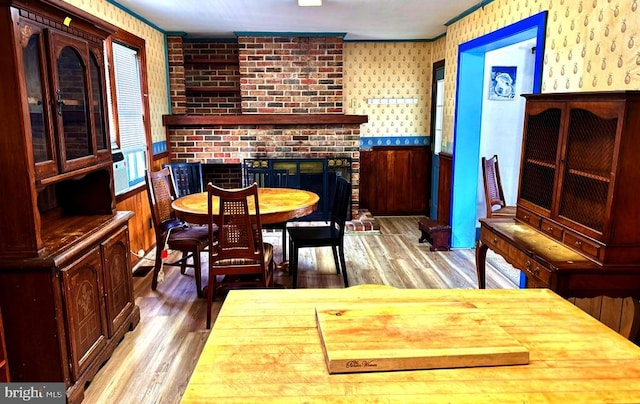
259,97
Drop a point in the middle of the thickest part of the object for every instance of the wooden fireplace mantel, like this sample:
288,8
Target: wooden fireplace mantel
263,119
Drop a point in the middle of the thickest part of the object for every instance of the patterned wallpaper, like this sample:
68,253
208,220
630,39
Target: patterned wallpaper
156,60
590,45
391,83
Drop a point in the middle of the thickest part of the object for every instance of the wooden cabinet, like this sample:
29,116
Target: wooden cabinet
64,77
65,275
576,227
82,298
4,363
69,309
55,153
395,180
578,172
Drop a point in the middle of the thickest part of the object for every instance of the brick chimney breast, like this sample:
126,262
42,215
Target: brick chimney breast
290,75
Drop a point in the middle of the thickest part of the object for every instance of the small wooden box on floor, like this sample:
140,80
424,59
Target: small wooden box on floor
436,233
384,337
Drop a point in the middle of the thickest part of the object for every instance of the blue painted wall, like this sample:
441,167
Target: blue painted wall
467,119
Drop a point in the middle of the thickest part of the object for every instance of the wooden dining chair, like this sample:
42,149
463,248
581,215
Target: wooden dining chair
270,178
171,231
493,194
324,236
239,258
187,177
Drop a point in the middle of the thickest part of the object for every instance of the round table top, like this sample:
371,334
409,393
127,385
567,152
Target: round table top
277,205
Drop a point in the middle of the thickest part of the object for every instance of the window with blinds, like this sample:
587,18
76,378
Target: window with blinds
131,134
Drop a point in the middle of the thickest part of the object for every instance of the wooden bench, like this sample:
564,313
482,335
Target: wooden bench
436,233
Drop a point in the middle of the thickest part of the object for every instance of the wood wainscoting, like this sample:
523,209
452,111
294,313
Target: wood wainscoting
395,180
445,177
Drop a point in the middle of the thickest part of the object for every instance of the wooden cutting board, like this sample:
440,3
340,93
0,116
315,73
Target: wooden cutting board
382,337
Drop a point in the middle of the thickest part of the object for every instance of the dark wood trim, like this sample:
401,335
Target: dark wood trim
263,119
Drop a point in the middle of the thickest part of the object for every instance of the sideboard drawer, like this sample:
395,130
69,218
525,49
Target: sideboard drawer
551,229
533,268
528,218
540,275
583,245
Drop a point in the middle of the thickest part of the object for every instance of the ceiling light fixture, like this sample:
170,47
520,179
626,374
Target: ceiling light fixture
309,3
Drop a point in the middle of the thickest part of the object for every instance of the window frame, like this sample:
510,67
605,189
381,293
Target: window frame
138,44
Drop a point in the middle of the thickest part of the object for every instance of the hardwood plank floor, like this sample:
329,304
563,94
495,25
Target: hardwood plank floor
153,363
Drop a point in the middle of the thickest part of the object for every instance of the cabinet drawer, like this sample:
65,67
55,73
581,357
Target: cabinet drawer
540,274
529,218
551,229
534,269
582,245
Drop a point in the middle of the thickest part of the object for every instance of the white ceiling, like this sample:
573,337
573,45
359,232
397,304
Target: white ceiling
358,19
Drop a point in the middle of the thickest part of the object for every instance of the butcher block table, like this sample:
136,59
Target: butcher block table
266,346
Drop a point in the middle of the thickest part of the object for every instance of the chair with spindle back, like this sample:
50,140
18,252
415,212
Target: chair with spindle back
494,196
187,177
171,231
239,257
324,236
270,178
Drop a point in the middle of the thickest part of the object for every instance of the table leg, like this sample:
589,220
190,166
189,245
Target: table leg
481,256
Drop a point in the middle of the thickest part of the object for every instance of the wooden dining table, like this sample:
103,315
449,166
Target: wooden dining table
277,205
266,346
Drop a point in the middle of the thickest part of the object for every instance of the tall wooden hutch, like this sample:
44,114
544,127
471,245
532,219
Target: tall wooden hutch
65,278
576,229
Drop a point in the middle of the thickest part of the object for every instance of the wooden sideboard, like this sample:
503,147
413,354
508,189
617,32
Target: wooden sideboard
576,228
66,287
4,363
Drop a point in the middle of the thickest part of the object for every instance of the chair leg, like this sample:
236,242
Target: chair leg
344,266
293,264
197,271
210,296
158,264
183,262
284,242
334,248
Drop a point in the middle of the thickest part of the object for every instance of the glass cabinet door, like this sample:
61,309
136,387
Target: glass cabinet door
539,160
43,144
98,105
588,160
72,88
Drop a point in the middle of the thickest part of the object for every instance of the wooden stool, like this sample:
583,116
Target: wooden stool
438,234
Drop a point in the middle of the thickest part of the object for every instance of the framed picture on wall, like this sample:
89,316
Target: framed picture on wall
502,83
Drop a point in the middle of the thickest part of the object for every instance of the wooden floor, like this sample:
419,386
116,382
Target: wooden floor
153,363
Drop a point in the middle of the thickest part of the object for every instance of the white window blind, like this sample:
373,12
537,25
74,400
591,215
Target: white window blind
129,98
132,139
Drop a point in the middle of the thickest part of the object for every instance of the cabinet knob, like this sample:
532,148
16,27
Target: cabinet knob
527,264
526,217
578,243
495,240
550,229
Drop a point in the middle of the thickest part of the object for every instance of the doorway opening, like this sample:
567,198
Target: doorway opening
468,117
